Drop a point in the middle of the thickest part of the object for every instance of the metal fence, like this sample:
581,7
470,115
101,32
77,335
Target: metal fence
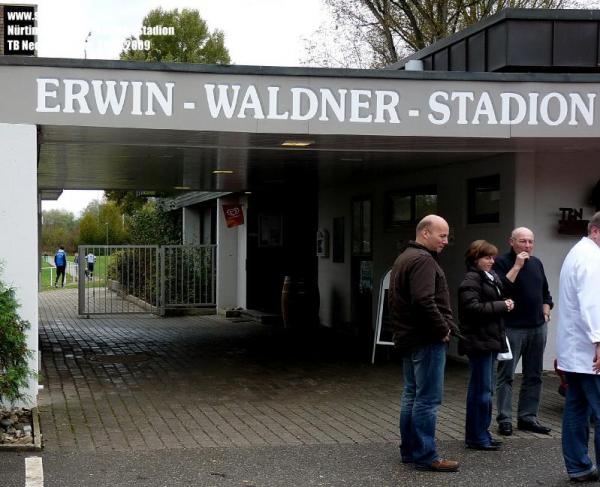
117,279
48,274
188,276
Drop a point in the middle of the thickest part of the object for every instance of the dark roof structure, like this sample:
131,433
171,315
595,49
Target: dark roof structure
519,40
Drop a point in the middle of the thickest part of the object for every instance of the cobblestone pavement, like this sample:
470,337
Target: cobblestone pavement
145,383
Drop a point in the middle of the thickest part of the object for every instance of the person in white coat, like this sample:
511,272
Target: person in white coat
578,350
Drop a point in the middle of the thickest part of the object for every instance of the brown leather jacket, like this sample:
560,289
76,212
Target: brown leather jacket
419,300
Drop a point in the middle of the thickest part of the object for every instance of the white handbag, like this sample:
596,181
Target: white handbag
505,355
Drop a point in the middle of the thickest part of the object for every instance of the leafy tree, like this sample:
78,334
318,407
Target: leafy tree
100,220
154,225
192,42
59,228
89,229
376,33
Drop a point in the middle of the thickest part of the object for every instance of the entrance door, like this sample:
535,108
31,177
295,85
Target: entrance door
362,267
282,226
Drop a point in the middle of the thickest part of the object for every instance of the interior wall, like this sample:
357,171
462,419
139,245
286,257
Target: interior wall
550,181
451,182
19,255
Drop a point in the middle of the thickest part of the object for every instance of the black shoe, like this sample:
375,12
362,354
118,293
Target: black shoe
590,477
495,442
534,427
505,429
483,447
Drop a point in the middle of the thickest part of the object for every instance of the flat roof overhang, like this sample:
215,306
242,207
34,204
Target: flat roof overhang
165,134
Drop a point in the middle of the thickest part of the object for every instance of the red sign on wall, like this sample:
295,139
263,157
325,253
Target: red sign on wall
234,215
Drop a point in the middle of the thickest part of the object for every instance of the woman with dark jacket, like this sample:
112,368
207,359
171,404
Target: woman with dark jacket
481,305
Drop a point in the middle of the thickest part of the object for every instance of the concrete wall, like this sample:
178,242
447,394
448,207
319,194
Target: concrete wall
451,182
19,221
546,182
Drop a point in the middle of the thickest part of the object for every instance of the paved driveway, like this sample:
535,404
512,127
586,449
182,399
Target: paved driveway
140,383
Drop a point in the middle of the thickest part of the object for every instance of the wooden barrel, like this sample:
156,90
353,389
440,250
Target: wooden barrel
299,304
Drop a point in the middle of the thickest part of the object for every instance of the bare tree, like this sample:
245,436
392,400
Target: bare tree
375,33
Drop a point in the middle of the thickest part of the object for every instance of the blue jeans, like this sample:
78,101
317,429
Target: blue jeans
583,397
528,343
479,399
422,396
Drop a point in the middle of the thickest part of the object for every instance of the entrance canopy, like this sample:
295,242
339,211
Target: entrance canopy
124,125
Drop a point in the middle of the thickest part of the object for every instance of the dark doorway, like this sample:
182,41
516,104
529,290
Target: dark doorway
282,228
362,267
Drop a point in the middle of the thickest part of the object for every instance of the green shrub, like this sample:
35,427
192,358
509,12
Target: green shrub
14,355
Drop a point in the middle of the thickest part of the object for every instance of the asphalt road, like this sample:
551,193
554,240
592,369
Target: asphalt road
521,463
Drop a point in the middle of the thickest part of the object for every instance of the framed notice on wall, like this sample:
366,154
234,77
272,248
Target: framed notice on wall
270,231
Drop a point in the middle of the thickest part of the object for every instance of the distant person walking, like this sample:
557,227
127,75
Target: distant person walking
578,351
90,260
60,261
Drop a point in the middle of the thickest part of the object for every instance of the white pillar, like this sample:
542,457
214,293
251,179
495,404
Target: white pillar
19,223
231,265
242,254
191,226
525,190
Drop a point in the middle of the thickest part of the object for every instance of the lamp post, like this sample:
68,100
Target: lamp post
85,44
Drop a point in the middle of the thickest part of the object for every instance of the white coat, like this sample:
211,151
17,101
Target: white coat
579,308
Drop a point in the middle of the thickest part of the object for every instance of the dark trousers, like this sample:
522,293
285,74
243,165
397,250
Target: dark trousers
60,273
422,396
583,398
479,399
528,343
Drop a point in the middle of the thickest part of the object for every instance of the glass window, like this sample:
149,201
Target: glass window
425,204
483,205
401,208
408,207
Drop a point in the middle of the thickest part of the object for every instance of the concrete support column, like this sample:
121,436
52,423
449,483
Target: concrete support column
191,226
19,223
242,254
525,190
231,261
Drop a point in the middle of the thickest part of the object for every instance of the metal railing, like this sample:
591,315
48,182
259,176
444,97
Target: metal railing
188,276
117,279
48,274
145,278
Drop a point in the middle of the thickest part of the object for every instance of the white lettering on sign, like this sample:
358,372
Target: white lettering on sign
43,93
363,106
224,101
78,98
464,108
